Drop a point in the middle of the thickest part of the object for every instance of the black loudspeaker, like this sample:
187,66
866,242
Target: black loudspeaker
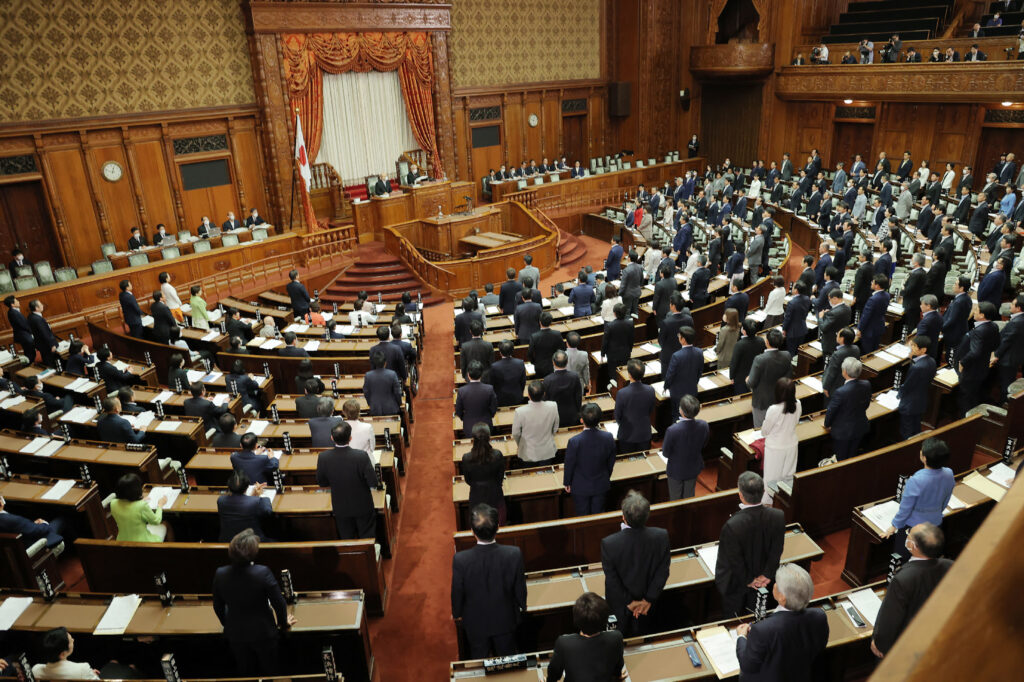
618,98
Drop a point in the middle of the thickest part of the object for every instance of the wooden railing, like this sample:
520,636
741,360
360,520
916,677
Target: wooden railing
326,194
431,274
574,203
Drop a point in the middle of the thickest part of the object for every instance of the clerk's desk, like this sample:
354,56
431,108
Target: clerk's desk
822,498
119,259
689,595
210,466
502,420
537,494
106,461
191,631
867,554
408,203
661,657
300,513
24,496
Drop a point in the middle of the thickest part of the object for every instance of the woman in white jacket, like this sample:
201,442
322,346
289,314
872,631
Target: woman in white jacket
774,307
781,443
171,296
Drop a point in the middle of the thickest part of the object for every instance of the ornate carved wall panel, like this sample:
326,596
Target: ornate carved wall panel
494,42
735,60
71,58
983,82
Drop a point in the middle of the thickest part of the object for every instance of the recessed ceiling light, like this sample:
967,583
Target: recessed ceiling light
847,101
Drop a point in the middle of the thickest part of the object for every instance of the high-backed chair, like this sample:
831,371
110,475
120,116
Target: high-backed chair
6,283
65,274
23,271
26,282
108,248
137,259
103,265
229,240
44,273
170,253
202,245
259,234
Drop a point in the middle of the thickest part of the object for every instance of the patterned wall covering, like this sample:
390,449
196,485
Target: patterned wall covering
75,58
497,42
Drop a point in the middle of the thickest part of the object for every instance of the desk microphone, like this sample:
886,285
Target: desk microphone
1009,449
274,415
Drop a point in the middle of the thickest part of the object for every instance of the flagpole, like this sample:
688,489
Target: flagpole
295,136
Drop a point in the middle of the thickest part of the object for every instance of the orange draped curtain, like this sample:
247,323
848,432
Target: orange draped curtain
308,55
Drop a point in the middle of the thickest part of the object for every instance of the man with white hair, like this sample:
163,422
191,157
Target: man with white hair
847,415
784,645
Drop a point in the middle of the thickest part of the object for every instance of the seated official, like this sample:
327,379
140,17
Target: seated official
204,229
239,382
78,360
784,645
177,375
595,653
382,186
226,436
488,588
113,427
241,594
231,223
137,240
32,422
254,219
31,531
350,476
136,520
57,647
128,405
323,423
34,389
290,350
199,406
255,460
239,510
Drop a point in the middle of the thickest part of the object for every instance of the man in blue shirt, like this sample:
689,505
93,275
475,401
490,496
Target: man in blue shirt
925,495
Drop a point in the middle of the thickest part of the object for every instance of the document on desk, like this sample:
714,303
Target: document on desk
899,350
710,355
650,348
375,456
492,310
881,515
659,389
220,399
886,357
50,448
118,615
867,603
530,368
724,372
720,647
268,493
1001,474
59,489
193,375
162,491
653,367
312,346
11,610
706,384
567,310
709,555
954,504
816,345
79,415
813,383
984,486
271,344
948,376
888,400
76,385
34,445
257,426
749,436
163,397
612,428
210,336
11,402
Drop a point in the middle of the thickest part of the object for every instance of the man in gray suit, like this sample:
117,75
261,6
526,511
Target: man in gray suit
529,271
770,366
905,201
579,361
832,320
755,252
533,428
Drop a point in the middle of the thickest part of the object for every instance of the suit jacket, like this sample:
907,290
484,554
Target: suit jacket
350,476
299,296
582,299
76,364
663,290
632,281
532,272
383,391
975,350
734,265
320,431
488,588
633,406
683,373
636,566
238,512
743,354
533,429
765,371
832,378
116,429
755,253
163,322
563,387
847,410
699,286
479,350
136,243
475,402
668,334
1010,352
783,646
954,320
991,287
930,325
240,600
794,323
872,318
114,378
617,342
20,326
834,319
130,309
589,460
30,532
740,301
508,295
913,392
253,222
462,321
906,593
683,448
543,345
305,406
527,320
256,467
750,545
238,328
508,377
979,220
224,440
824,261
822,301
862,283
293,352
579,362
41,332
382,187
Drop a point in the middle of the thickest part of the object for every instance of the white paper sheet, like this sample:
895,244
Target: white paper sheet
268,493
212,376
888,400
492,310
168,425
612,428
867,603
11,610
749,436
720,648
220,399
162,491
724,372
653,367
816,345
709,355
567,310
899,350
76,385
59,489
706,384
651,348
193,375
948,376
257,426
33,446
659,389
954,504
11,402
312,346
709,555
375,456
210,336
50,448
118,615
597,357
881,515
163,397
79,415
813,383
270,344
1001,474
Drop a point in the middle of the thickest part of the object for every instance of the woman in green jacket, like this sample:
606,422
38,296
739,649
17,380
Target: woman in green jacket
136,520
200,318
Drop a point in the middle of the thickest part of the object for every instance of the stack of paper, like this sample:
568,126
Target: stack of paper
210,336
749,436
193,375
143,419
709,555
168,425
163,397
11,402
567,310
11,610
867,603
954,504
1001,474
724,372
881,515
79,415
50,448
162,491
221,398
147,320
212,376
597,356
214,315
720,647
268,493
312,346
492,310
345,329
816,345
327,316
888,400
659,389
530,368
270,344
886,357
948,376
5,357
118,615
899,350
77,385
375,456
612,428
650,348
33,446
257,426
59,489
653,367
813,383
710,355
706,384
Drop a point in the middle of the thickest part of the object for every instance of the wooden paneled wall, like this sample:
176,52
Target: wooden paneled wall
88,210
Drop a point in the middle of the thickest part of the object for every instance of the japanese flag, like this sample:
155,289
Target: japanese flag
300,154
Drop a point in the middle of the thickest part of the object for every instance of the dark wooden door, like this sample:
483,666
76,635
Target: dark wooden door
25,223
574,140
850,139
993,142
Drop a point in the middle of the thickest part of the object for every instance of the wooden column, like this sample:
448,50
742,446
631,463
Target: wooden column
442,91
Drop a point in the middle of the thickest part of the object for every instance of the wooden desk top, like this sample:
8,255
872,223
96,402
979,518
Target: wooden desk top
186,427
300,428
32,489
504,416
294,500
82,451
299,460
481,241
507,446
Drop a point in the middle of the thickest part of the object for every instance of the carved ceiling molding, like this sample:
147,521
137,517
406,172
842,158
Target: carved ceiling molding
985,82
317,17
735,60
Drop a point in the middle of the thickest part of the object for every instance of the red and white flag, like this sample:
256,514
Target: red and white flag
300,154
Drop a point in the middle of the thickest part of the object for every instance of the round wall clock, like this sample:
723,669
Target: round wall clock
533,120
112,171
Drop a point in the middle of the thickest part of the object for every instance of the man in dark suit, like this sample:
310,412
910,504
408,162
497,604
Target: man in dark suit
823,302
382,186
231,223
913,392
767,368
972,356
636,566
290,350
526,317
682,448
634,404
862,279
958,313
350,476
469,313
34,389
911,586
632,283
414,175
394,355
807,275
112,427
749,548
112,377
241,595
476,349
978,224
225,436
738,299
668,330
476,402
883,265
298,294
21,328
130,310
613,263
930,324
31,531
235,327
163,320
684,369
306,404
508,376
699,280
543,345
663,290
1010,352
872,318
784,645
321,425
563,387
589,461
254,219
488,589
508,294
256,461
137,240
748,347
381,387
913,290
846,417
843,345
832,319
963,206
617,339
794,322
239,509
990,289
43,337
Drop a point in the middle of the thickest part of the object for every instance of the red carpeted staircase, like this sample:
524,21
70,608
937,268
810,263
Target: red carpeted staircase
376,270
570,248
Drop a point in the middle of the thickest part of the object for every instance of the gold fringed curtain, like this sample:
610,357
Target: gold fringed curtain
307,56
